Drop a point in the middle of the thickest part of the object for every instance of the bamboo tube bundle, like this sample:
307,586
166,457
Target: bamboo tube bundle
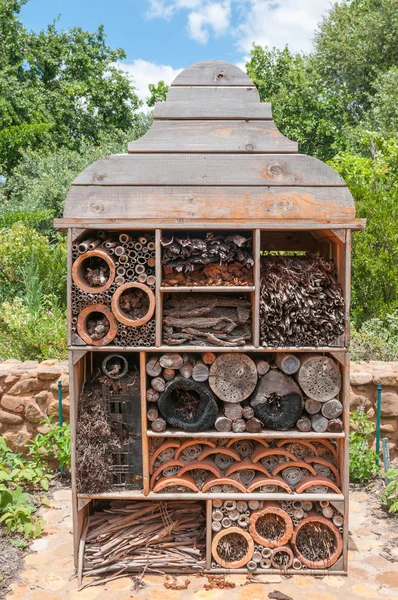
213,260
145,536
301,302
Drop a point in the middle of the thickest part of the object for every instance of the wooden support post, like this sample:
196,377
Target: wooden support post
145,447
256,294
158,293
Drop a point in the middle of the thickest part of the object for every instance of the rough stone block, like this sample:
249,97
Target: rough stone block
48,373
16,440
10,418
33,413
389,426
14,403
25,386
361,377
356,401
64,379
389,403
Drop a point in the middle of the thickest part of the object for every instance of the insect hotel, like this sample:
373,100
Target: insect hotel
209,295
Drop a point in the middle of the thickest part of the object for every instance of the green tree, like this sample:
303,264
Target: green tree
57,88
158,93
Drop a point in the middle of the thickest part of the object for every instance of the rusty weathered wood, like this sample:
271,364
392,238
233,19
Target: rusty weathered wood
210,170
212,72
209,205
213,109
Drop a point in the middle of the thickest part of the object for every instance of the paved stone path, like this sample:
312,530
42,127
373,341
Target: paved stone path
48,570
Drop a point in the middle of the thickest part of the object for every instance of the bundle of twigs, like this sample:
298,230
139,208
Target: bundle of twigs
301,302
183,253
206,319
138,536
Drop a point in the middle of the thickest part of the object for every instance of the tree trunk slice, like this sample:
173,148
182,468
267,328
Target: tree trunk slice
332,409
304,424
186,370
262,367
248,412
200,372
208,358
288,363
159,425
169,374
152,413
312,406
254,425
153,367
319,377
319,423
222,423
152,395
233,377
246,542
171,361
198,414
158,384
335,426
239,426
233,411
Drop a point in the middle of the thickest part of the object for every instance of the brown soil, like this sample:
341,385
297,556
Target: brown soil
11,559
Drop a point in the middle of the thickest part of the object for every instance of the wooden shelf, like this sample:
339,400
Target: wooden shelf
231,434
209,288
139,495
111,348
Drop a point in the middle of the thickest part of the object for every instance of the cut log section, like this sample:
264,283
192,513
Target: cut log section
332,409
277,401
271,527
171,361
233,377
287,363
232,548
319,377
188,405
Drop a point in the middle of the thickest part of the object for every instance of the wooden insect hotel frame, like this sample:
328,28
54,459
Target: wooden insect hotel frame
208,312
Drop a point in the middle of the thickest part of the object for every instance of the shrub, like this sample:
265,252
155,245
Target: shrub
376,339
390,496
362,459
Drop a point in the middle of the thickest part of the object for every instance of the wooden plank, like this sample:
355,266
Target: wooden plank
111,348
207,170
291,434
284,241
212,108
69,289
209,506
256,294
227,94
115,223
212,72
213,136
347,286
158,294
131,495
202,205
209,288
144,437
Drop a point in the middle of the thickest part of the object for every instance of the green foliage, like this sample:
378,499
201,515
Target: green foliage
17,471
376,339
390,495
158,93
57,88
34,325
41,221
17,512
362,459
53,444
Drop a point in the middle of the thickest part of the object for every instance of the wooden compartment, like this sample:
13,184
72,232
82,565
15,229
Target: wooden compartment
214,162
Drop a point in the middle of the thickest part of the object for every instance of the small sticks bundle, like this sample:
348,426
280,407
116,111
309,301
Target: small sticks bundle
135,303
301,302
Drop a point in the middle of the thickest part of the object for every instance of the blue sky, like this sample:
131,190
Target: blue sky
160,37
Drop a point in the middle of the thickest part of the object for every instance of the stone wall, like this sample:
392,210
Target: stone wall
29,392
365,377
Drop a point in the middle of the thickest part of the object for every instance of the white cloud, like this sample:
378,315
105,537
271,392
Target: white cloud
210,16
266,22
291,22
143,72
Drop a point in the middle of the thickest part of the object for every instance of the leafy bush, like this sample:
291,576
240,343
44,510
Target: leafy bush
376,339
362,458
17,512
53,444
34,326
390,496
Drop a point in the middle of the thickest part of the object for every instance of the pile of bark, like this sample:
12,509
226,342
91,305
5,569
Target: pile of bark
301,302
214,260
206,320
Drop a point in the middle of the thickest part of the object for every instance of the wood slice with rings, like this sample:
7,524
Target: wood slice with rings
96,325
94,271
233,377
232,548
319,377
317,542
271,527
188,405
133,304
277,401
